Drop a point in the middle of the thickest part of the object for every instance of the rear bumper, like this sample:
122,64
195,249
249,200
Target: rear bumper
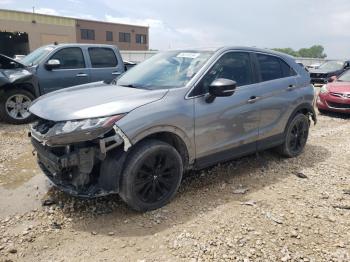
334,104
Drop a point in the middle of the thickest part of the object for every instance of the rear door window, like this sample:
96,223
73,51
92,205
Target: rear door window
102,57
272,67
70,58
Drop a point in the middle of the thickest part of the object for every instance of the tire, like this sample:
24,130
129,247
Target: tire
16,98
152,175
323,112
296,136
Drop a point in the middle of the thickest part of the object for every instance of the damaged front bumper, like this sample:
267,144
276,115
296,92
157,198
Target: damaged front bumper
89,168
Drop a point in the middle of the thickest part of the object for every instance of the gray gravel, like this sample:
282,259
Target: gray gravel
257,208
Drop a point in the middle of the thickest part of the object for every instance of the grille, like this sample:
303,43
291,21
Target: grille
338,105
317,75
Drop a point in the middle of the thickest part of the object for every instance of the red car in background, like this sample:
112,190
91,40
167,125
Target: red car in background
335,96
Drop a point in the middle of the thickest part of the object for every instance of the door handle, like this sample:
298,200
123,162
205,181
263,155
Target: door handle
81,75
253,99
116,73
291,87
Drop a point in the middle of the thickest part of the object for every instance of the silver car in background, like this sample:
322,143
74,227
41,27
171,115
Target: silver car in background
178,110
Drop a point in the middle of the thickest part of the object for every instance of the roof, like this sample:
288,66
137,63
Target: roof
67,17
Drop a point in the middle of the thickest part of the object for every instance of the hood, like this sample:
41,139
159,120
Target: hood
12,71
322,71
9,63
339,87
92,100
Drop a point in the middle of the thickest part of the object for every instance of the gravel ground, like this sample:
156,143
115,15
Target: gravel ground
257,208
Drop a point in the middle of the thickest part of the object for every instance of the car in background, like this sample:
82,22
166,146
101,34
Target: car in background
56,67
18,88
324,72
178,110
313,66
335,96
129,64
18,57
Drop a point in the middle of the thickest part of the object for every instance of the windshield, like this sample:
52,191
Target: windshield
332,65
37,55
344,77
165,70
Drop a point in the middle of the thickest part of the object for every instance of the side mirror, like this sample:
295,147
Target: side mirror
52,64
221,87
332,79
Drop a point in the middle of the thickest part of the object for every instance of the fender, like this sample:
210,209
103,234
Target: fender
170,129
302,108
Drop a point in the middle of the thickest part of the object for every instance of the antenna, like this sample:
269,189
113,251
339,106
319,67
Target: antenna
33,9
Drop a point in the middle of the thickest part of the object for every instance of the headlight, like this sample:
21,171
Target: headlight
324,89
63,133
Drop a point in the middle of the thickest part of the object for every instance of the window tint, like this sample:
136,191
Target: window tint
70,58
272,67
235,66
141,39
124,37
102,57
109,36
87,34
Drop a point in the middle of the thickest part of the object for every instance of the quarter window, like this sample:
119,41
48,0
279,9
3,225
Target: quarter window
235,66
124,37
102,57
272,67
70,58
87,34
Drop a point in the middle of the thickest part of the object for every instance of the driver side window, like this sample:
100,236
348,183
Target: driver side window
235,66
70,58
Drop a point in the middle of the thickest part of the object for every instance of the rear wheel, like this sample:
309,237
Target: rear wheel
296,136
152,175
14,105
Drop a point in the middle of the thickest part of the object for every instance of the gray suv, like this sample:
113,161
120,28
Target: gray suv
178,110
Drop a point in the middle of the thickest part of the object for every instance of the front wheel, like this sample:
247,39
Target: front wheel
14,106
296,136
152,175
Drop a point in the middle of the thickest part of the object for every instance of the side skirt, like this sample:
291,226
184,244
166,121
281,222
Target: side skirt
239,151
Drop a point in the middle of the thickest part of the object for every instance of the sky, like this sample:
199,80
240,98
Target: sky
193,23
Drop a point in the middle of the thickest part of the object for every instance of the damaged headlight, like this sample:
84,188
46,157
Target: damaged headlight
75,131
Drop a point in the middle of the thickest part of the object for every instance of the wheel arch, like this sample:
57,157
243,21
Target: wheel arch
305,109
173,136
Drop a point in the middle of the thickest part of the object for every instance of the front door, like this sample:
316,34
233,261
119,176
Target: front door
72,70
228,126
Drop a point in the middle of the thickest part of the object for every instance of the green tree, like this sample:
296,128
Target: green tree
288,51
315,51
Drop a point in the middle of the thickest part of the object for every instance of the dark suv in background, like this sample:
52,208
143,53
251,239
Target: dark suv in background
50,68
323,74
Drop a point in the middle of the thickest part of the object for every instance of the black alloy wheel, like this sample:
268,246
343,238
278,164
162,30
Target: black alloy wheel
152,175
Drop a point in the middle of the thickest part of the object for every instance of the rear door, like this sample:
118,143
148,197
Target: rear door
278,92
72,71
105,65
